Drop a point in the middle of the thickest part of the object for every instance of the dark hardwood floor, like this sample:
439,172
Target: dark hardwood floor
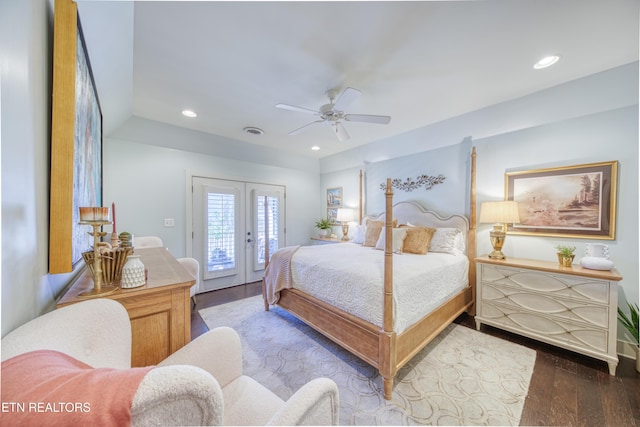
567,389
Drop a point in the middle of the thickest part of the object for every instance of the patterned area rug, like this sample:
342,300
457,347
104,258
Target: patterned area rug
463,377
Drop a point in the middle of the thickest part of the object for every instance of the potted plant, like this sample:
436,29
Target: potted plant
324,225
632,323
565,255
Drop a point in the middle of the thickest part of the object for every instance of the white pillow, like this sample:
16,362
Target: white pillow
359,233
399,235
446,240
596,263
459,243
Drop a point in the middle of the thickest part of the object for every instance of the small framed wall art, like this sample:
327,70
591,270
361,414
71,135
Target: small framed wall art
334,201
334,197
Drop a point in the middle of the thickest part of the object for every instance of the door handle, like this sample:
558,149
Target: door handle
249,240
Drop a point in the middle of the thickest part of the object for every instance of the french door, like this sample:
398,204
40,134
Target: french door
231,222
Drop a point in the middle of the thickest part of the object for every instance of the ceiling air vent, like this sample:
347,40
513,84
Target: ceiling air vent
253,130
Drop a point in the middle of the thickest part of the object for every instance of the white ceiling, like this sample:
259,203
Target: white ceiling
419,62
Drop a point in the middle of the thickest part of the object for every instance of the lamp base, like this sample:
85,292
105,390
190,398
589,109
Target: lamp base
497,236
497,255
345,231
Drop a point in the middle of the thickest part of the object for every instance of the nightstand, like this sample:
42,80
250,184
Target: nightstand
570,307
326,240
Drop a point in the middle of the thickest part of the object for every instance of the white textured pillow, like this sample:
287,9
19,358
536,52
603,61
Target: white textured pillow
445,240
398,238
595,263
459,243
358,235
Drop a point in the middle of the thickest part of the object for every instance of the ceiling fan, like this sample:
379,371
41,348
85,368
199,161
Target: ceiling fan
333,113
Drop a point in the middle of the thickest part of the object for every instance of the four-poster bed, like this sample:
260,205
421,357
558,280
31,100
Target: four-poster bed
381,345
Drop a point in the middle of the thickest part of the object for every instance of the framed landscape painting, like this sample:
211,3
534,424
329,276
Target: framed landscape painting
572,201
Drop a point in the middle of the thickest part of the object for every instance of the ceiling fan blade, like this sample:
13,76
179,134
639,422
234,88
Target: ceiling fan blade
341,132
299,109
300,129
346,98
368,118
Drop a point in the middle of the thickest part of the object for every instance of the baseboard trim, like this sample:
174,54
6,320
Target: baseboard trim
626,349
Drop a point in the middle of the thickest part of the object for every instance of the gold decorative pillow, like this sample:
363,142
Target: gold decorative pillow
417,240
372,233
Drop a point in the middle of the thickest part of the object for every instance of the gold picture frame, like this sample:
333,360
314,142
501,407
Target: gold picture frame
76,141
576,201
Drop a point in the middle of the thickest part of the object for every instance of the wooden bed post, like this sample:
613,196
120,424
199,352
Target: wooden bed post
361,207
266,251
471,239
388,365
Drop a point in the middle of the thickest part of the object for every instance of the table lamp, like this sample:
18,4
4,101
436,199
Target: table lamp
500,214
344,216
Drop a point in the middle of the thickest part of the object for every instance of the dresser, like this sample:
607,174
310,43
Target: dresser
160,311
571,307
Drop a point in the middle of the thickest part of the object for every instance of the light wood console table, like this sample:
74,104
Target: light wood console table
160,311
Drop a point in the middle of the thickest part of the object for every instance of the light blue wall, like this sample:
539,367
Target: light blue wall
593,119
149,182
452,162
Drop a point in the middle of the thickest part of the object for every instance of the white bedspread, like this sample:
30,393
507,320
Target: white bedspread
350,277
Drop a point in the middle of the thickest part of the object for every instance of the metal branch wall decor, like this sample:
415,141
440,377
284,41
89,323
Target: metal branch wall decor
428,181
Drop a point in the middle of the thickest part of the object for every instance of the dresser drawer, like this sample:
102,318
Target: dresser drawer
574,310
557,285
561,332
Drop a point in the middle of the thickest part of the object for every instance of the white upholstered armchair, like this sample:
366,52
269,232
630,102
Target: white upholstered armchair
200,384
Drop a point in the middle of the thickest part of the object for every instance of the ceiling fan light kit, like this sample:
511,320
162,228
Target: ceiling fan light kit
333,113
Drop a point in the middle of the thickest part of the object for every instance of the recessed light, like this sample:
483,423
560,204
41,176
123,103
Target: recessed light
253,130
189,113
315,148
547,61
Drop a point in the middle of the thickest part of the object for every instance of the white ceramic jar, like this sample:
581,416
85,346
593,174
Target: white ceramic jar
132,273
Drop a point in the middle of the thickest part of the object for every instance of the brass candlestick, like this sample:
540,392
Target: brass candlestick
98,288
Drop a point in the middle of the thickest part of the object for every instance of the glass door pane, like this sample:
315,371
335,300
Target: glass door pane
267,218
271,220
221,242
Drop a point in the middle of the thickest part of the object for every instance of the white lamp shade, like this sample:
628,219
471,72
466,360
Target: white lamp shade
505,212
344,215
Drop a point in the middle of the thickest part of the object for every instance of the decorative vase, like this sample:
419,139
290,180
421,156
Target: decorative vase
126,239
132,273
565,260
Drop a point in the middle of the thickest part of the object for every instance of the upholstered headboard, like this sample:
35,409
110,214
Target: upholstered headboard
413,213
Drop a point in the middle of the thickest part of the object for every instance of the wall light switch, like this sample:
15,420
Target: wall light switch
168,222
